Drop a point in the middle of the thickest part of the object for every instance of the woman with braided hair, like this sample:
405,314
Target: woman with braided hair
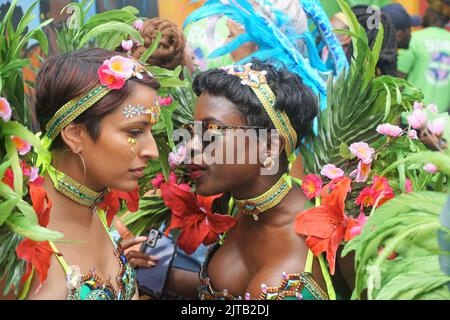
172,51
387,64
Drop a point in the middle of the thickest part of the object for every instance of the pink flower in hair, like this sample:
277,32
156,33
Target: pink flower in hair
120,66
112,81
114,72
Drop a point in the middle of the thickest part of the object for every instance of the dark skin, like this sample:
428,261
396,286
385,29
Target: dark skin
257,251
254,253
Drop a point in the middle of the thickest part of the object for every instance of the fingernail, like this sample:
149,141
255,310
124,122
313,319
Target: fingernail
141,238
150,264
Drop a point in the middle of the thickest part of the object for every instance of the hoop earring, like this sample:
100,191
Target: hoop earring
84,166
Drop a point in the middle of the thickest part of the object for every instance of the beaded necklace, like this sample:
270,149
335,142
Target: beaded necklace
74,190
266,201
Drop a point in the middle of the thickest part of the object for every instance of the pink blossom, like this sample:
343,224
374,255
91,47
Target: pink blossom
111,81
5,110
418,105
432,108
22,146
430,168
176,158
164,102
361,222
437,126
417,119
412,134
138,25
158,181
173,177
127,45
312,185
362,173
363,151
389,130
34,174
408,185
120,67
331,171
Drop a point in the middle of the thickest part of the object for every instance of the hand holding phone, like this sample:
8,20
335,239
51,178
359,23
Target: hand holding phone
152,281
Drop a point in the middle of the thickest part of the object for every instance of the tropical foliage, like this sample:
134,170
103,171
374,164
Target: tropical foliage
104,30
403,185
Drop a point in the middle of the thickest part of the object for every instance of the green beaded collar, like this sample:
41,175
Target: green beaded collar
74,190
266,201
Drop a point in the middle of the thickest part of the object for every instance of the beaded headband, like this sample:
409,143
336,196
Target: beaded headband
258,82
112,76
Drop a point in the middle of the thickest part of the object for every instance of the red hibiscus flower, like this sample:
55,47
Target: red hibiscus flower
8,178
41,203
324,226
37,255
192,214
111,203
311,186
110,79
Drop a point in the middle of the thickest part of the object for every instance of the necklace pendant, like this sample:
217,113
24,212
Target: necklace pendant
255,217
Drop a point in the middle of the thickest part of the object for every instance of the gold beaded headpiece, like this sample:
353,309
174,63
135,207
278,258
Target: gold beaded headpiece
258,82
112,76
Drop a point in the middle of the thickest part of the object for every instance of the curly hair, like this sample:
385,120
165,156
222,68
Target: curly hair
293,96
170,52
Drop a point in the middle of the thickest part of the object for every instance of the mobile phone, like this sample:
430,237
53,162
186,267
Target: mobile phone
151,281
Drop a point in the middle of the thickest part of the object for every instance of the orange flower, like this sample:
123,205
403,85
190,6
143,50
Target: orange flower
325,225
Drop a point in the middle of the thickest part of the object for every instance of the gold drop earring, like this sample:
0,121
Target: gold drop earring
132,141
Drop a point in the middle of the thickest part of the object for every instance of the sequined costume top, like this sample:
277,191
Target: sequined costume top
292,286
91,287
